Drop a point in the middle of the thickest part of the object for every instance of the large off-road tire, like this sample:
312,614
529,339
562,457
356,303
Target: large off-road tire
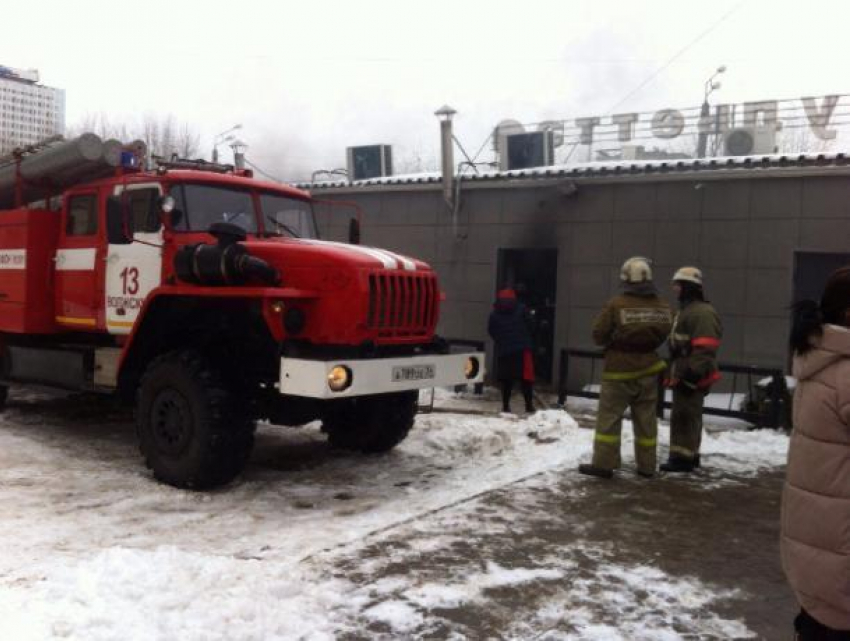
193,429
370,424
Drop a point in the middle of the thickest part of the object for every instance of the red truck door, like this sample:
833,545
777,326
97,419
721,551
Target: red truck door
78,290
133,270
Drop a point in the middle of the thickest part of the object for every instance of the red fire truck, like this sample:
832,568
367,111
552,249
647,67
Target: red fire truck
204,296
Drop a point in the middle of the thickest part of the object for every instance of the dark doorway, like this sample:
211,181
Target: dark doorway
811,269
533,274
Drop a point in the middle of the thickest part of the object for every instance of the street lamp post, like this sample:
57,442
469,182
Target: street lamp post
222,137
705,111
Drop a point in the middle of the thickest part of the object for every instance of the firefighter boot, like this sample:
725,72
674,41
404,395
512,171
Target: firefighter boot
678,464
592,470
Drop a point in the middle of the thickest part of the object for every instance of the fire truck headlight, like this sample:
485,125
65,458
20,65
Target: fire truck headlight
340,378
472,367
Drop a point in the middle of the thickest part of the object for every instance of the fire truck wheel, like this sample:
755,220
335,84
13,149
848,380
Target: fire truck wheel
192,431
4,393
370,424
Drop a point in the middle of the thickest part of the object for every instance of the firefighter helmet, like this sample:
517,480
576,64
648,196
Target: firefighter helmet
689,274
636,270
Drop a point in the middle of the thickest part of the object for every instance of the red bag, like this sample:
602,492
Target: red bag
527,366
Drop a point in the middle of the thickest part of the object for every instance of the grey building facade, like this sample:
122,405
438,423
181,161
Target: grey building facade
29,112
764,231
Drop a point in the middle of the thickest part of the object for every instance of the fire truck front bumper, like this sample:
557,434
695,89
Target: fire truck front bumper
346,378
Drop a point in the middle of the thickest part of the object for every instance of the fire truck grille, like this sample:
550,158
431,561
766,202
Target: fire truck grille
402,304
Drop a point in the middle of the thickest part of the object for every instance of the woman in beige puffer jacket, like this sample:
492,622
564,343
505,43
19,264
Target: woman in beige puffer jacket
816,500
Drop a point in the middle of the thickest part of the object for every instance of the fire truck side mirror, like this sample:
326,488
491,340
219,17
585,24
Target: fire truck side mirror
119,227
354,231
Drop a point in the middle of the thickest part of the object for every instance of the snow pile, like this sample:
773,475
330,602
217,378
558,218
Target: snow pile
466,436
166,593
744,453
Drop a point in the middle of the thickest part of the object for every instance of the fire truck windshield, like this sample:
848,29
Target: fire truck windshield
288,216
199,206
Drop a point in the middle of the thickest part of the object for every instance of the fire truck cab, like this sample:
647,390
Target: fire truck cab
205,297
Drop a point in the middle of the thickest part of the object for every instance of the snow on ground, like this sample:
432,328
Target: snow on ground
664,603
668,603
412,599
92,548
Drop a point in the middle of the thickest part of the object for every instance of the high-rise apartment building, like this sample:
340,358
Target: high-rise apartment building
29,112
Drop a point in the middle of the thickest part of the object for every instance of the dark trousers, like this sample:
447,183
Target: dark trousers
809,629
686,424
507,388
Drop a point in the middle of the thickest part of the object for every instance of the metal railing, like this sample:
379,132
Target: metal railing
770,416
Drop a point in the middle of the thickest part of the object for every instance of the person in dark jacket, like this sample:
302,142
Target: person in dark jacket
508,327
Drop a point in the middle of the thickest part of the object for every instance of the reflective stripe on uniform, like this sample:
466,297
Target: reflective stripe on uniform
684,451
607,438
630,376
709,380
647,442
705,341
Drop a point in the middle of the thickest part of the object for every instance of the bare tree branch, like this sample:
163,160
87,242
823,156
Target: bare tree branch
163,135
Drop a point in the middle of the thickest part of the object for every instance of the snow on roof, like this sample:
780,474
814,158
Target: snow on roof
599,169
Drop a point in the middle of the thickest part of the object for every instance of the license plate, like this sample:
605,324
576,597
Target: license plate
413,373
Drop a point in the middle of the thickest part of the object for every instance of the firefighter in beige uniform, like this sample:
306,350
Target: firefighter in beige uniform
693,347
630,328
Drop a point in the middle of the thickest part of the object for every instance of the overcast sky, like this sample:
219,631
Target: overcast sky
307,79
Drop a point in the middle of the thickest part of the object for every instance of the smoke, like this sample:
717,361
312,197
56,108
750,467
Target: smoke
280,153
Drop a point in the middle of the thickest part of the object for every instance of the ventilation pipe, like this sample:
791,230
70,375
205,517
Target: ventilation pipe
239,148
445,114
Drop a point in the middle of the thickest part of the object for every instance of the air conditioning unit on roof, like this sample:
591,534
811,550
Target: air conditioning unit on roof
533,149
749,141
370,161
